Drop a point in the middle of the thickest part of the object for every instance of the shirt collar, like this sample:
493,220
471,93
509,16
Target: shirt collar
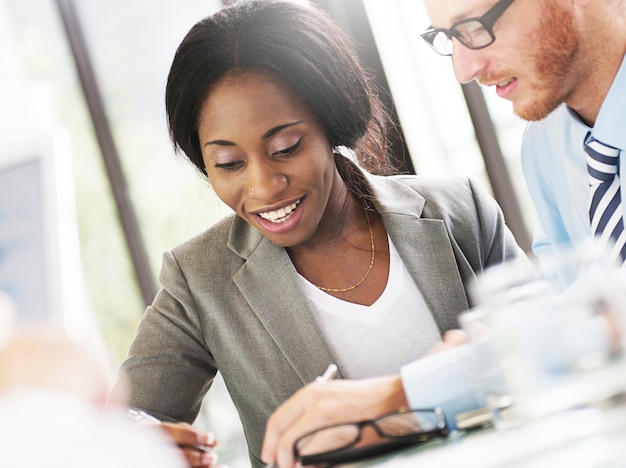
610,126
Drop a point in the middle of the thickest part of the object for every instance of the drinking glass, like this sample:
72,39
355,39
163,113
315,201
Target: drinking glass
549,335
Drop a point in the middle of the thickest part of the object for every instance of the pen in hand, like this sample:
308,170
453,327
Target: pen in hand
329,374
142,417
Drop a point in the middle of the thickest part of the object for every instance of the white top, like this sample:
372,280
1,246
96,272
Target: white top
376,340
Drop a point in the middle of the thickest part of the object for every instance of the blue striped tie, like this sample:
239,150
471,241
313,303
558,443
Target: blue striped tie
605,207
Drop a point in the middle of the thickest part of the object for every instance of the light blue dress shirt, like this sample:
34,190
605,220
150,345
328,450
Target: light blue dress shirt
448,380
555,167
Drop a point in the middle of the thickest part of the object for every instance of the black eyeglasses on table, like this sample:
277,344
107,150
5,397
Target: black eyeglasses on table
473,33
349,442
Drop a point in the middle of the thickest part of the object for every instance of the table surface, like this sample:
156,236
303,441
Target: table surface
585,438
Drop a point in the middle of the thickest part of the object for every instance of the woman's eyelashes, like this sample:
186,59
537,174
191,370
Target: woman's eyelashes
235,162
227,166
289,150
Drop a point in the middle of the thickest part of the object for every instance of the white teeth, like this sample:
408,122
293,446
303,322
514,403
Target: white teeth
281,214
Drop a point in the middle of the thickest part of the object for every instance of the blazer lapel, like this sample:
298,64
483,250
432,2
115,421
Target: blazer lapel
268,281
425,247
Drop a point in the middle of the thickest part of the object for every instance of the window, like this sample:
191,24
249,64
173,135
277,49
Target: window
431,106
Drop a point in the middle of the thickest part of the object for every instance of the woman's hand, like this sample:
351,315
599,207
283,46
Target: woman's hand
322,404
194,444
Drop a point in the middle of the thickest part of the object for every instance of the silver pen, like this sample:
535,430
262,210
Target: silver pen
329,374
141,417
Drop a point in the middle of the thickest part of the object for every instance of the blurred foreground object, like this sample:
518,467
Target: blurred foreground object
53,393
7,317
550,336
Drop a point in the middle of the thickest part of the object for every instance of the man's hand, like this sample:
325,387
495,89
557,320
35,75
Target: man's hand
322,404
451,339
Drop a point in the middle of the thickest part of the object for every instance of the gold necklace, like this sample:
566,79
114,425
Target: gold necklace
369,225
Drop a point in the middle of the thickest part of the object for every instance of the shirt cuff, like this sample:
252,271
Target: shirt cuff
446,380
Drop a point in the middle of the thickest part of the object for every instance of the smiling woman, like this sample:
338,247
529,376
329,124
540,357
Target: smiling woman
274,158
322,260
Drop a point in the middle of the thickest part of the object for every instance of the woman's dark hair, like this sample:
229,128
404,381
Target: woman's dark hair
303,48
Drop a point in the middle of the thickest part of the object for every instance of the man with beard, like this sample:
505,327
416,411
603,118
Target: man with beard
561,64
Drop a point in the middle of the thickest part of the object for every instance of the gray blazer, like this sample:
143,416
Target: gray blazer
231,301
